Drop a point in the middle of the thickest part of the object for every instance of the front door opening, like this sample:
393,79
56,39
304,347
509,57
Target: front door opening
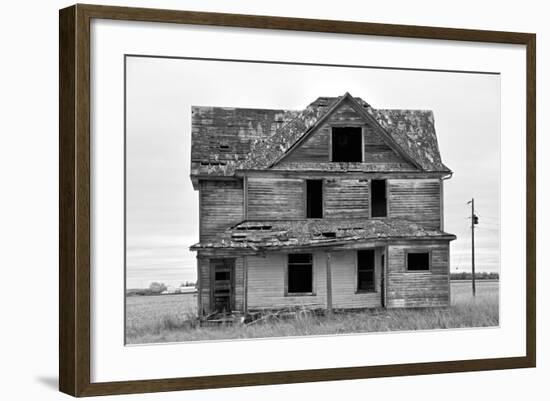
222,284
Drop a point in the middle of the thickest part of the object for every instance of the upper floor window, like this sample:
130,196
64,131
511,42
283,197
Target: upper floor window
378,202
347,144
314,199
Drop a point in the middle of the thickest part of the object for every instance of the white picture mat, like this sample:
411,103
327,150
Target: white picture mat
112,361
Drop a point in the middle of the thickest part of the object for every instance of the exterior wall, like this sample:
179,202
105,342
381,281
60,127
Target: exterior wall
417,200
344,282
344,198
313,149
221,206
418,288
274,198
266,283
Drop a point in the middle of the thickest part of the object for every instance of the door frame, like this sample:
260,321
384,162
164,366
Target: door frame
226,261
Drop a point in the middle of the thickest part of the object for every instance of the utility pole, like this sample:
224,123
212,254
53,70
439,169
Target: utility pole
474,222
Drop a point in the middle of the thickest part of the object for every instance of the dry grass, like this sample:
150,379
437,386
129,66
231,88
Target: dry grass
166,320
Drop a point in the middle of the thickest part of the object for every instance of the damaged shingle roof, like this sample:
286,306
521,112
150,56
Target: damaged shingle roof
227,139
273,234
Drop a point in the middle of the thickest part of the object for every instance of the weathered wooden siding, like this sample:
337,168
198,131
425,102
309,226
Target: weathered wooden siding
275,199
313,149
417,200
376,150
418,289
203,278
378,156
239,284
344,282
344,198
345,114
221,206
266,283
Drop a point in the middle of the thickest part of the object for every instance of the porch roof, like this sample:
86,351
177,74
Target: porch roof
280,234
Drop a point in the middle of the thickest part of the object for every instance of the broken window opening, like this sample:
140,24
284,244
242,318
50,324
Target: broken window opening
347,144
314,195
300,273
418,261
378,198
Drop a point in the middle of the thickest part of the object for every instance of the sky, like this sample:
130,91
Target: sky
162,207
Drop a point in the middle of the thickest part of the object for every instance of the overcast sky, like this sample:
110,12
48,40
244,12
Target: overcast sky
162,207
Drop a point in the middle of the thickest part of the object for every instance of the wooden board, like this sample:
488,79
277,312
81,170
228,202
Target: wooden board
221,206
273,199
417,200
418,288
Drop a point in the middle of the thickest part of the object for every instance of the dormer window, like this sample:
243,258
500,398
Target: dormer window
347,144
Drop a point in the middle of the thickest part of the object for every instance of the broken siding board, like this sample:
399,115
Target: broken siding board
417,200
344,198
222,206
418,288
275,199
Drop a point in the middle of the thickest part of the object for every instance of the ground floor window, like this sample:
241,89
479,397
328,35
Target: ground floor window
300,273
418,260
365,270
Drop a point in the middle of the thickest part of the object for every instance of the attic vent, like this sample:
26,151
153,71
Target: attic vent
330,234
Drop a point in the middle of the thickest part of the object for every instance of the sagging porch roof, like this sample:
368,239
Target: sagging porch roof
279,234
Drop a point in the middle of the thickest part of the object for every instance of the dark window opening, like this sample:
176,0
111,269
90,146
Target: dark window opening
221,275
314,190
378,198
365,270
300,273
329,234
418,261
347,144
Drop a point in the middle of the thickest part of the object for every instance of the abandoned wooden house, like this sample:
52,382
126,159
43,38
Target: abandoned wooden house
336,206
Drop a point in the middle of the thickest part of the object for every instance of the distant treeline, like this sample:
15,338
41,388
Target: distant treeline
156,288
479,276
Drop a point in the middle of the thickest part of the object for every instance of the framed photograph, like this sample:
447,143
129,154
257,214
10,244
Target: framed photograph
250,200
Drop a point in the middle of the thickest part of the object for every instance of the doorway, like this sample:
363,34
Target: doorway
222,278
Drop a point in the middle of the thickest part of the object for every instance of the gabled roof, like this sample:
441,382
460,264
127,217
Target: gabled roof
274,234
411,132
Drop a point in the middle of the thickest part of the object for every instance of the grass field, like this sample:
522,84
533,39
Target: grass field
169,318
